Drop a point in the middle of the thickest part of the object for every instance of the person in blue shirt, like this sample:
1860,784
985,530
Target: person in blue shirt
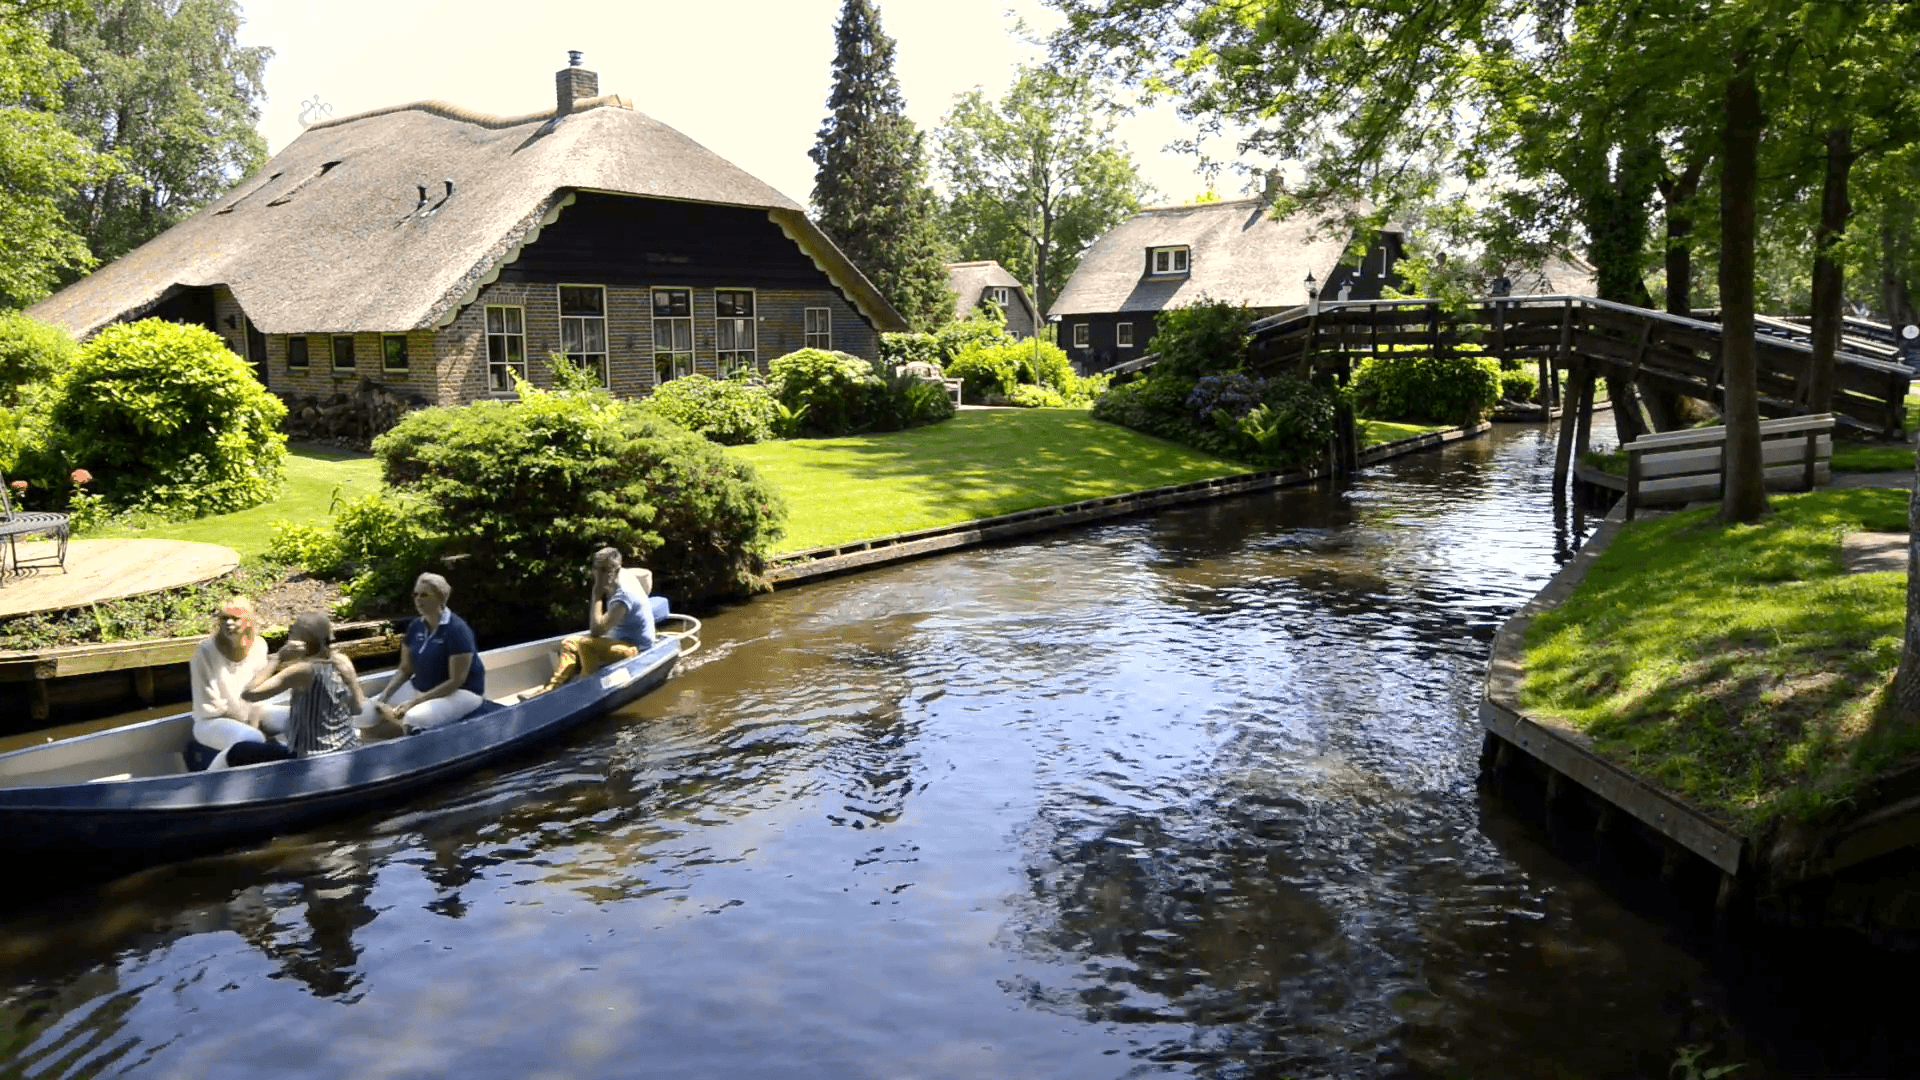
619,621
440,678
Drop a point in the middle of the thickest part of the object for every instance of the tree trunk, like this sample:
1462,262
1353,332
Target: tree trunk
1746,495
1896,296
1828,281
1664,410
1906,682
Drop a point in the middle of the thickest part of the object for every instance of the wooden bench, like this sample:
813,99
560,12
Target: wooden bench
931,373
1677,467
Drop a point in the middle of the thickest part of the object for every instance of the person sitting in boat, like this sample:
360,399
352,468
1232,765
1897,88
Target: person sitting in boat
619,621
222,668
440,678
327,703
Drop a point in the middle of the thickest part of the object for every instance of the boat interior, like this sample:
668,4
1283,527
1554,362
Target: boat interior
158,747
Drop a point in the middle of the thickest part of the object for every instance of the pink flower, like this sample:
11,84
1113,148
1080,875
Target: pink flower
82,476
19,485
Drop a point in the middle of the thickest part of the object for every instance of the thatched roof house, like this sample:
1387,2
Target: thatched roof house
977,284
1236,251
437,249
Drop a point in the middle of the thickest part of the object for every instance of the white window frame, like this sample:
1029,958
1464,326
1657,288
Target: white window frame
1082,335
1001,295
306,359
817,326
498,371
727,360
1169,261
596,361
679,361
1123,335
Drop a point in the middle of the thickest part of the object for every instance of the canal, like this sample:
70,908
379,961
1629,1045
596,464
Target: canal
1183,795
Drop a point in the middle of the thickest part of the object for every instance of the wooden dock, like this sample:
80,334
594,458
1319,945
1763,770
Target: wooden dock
102,570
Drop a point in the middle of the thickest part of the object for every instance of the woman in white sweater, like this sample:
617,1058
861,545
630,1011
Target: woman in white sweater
224,665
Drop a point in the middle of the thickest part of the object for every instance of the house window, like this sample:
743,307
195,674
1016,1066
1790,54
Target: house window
343,352
1080,338
1000,295
1123,335
819,328
672,334
583,327
297,355
1167,260
393,352
506,347
734,330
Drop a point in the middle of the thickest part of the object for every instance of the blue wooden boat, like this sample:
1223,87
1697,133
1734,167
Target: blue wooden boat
129,789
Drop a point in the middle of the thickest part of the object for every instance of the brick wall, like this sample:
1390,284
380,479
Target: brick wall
322,380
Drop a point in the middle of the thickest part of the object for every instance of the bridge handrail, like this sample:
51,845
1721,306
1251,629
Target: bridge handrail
1668,440
1281,318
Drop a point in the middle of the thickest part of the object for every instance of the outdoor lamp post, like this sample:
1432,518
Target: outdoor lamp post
1313,295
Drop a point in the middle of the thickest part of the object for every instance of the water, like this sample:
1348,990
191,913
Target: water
1190,795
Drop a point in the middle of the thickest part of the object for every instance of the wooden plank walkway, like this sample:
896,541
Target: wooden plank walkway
99,570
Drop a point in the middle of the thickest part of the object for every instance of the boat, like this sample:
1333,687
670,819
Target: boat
130,790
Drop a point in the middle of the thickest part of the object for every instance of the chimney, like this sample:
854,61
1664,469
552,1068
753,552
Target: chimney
1275,184
573,83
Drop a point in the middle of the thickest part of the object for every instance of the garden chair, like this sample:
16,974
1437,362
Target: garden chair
16,524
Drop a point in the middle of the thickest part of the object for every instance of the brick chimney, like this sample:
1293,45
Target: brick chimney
573,83
1274,185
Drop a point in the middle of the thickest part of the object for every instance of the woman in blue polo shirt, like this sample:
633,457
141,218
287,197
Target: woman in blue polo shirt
440,678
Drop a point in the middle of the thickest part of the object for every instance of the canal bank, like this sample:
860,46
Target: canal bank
1848,861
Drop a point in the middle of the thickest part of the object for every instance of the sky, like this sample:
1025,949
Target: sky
748,79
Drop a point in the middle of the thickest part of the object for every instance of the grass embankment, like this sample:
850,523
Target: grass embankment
1379,432
977,465
313,477
1739,666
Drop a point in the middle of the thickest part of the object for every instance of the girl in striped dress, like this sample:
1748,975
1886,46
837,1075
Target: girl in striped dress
328,703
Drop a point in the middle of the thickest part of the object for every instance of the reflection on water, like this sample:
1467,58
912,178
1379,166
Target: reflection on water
1189,795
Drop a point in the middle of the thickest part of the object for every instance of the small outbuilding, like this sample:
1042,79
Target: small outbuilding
978,286
1233,250
440,253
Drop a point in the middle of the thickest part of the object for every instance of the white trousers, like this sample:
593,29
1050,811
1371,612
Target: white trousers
222,732
439,711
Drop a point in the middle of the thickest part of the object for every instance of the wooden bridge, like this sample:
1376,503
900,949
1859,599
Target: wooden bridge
1640,351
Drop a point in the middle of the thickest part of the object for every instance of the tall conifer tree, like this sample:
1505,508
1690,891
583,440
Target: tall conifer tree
870,190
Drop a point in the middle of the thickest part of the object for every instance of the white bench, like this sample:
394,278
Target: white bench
931,373
1676,467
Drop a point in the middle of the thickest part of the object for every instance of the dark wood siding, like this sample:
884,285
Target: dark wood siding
1103,349
627,241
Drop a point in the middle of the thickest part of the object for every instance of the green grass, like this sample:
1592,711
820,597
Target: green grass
1739,666
977,465
1376,432
312,478
1858,457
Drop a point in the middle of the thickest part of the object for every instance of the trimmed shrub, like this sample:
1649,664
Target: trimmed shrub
909,348
728,411
1519,385
978,329
1157,405
987,372
31,352
1036,397
910,402
377,544
1455,388
169,421
1204,337
1271,422
828,393
527,491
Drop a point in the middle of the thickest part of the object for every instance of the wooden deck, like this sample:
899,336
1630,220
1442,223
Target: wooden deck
99,570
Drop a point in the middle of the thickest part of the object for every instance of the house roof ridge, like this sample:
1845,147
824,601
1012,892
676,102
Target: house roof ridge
449,111
1169,207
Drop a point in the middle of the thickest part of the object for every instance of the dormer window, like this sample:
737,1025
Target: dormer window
1000,295
1167,260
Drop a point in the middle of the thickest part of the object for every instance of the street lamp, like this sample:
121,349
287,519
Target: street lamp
1313,295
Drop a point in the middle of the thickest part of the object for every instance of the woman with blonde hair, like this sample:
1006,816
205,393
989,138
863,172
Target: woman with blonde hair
222,668
441,677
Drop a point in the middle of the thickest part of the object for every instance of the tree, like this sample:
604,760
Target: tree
870,189
1036,177
166,90
39,161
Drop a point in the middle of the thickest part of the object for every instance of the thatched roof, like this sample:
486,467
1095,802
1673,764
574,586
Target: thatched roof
331,235
969,282
1560,275
1240,254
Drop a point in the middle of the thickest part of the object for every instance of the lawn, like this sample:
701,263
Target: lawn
1740,666
1378,432
977,465
313,477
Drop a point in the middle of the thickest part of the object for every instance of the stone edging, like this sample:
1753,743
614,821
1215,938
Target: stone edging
818,563
1569,752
